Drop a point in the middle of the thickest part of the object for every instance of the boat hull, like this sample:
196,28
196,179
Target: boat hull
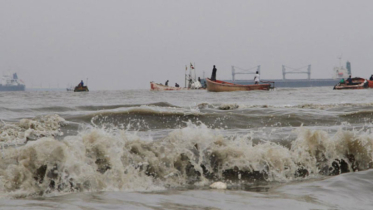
370,83
357,83
160,87
81,89
221,86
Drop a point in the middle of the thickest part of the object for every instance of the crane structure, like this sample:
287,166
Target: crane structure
296,71
244,71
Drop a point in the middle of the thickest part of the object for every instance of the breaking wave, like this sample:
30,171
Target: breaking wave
31,129
97,160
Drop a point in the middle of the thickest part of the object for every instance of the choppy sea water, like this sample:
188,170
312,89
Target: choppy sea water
306,148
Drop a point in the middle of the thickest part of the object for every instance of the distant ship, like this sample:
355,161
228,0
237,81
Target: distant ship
11,83
339,72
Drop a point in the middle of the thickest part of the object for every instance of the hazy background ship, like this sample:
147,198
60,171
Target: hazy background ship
11,83
339,72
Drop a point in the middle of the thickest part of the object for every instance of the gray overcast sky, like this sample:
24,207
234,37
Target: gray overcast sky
126,44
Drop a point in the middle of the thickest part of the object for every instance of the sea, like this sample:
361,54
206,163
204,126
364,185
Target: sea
288,148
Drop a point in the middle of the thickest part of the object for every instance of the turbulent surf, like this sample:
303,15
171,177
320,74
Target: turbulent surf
246,142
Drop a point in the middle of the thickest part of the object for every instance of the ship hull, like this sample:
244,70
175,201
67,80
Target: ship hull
12,88
294,83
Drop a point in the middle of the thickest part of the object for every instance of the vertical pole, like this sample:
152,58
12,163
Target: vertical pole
195,74
259,69
233,73
283,72
309,71
190,74
186,70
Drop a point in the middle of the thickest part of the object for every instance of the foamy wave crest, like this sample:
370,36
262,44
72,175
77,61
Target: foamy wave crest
331,106
228,106
96,160
31,129
142,117
338,106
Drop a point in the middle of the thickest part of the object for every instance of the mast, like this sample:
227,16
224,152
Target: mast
186,76
194,70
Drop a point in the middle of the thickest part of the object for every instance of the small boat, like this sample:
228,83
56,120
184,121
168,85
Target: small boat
156,86
357,83
221,86
81,89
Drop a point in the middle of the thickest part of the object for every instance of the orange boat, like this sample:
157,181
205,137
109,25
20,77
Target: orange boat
370,83
221,86
155,86
357,83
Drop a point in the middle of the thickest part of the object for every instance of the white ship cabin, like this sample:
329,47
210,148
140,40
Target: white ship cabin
340,71
10,80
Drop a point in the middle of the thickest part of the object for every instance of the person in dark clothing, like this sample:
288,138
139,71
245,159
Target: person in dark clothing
213,75
81,84
349,80
199,79
371,78
177,85
166,83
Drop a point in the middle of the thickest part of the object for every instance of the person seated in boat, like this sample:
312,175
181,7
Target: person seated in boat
342,81
213,75
257,78
81,84
349,80
371,78
177,85
166,83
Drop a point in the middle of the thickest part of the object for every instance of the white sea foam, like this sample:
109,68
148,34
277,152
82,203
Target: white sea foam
97,160
31,129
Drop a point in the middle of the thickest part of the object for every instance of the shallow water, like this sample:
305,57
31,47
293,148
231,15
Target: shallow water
305,148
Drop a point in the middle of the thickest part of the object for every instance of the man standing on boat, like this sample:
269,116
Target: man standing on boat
166,83
213,75
257,78
349,80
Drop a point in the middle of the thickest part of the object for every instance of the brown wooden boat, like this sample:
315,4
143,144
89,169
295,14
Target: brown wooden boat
357,83
221,86
81,89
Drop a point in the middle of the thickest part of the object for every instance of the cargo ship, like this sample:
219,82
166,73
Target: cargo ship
11,83
339,72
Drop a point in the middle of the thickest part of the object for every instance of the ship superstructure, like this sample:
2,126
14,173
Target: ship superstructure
11,83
